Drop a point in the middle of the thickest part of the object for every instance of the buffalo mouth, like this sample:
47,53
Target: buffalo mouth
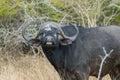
49,43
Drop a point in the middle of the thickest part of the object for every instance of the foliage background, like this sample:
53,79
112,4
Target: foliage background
88,13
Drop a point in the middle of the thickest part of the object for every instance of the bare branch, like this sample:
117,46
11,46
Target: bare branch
39,50
103,60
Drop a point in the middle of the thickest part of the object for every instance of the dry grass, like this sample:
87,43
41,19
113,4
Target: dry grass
27,68
107,77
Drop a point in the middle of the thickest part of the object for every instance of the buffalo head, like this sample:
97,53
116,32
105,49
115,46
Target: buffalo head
50,35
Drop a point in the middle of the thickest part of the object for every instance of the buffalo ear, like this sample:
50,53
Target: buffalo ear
34,42
65,41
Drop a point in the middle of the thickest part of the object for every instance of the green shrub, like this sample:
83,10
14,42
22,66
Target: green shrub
9,12
7,8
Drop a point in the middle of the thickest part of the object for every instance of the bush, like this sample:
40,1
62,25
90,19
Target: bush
9,12
88,13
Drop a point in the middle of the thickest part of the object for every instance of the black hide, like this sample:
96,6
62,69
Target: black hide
81,59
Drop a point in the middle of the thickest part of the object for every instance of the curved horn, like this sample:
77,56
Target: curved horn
26,37
23,32
58,26
72,37
50,24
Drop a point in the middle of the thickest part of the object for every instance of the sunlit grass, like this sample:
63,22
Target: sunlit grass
107,77
27,68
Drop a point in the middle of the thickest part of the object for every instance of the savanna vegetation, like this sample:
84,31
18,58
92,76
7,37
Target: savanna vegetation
14,65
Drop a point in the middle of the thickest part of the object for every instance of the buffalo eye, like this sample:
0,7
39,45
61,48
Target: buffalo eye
58,32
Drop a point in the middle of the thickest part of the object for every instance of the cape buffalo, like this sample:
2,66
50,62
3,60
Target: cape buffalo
78,50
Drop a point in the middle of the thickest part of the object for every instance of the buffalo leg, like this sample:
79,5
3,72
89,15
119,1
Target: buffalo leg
81,73
115,73
81,76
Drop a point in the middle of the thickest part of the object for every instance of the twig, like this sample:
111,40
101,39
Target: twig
103,60
39,50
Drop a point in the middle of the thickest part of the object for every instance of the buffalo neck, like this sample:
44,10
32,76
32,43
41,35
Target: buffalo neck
57,56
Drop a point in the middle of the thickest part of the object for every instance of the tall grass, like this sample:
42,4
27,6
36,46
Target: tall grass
27,68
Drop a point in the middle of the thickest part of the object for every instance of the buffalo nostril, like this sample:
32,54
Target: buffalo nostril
49,38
